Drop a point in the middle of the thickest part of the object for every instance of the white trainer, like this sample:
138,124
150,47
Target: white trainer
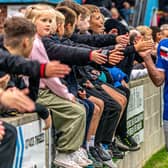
65,160
83,154
75,156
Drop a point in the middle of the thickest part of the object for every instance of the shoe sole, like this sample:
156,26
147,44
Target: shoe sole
135,149
60,164
110,164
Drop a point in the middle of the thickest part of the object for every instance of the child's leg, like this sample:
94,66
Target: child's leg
68,117
121,99
99,106
7,146
122,127
118,97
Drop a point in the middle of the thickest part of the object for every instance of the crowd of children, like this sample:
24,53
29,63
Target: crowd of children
78,68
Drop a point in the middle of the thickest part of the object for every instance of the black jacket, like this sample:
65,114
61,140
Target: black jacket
94,40
16,65
66,54
69,42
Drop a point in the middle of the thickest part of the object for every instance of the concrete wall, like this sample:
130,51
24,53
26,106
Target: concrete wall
153,134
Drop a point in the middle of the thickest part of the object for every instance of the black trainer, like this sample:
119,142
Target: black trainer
130,143
99,153
94,153
120,145
115,150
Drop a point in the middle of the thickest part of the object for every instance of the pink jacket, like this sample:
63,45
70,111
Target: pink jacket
54,84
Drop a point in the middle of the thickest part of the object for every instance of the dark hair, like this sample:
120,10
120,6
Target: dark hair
155,30
16,28
112,23
70,15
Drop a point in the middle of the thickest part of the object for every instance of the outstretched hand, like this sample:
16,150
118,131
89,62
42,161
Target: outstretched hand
56,69
16,99
98,57
115,57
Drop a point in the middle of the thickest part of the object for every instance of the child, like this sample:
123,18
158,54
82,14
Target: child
24,45
12,97
68,115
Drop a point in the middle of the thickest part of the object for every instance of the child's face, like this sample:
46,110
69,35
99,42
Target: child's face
97,23
113,31
83,24
43,24
69,29
115,14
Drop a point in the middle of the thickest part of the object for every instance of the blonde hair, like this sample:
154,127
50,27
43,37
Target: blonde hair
33,12
60,18
145,31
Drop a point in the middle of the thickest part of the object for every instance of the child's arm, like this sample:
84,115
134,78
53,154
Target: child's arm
55,85
72,55
20,66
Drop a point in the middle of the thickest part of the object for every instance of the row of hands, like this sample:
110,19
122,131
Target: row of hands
17,99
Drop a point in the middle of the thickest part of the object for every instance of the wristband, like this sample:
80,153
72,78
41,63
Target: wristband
42,70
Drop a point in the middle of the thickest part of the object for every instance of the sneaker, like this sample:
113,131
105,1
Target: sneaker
130,142
75,156
103,154
64,160
110,163
94,153
120,145
83,154
96,164
116,152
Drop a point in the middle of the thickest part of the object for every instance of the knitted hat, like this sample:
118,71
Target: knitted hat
115,24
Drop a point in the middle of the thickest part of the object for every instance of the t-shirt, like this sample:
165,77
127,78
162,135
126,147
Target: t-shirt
162,65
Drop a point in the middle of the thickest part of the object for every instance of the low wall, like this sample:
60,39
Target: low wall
153,132
153,138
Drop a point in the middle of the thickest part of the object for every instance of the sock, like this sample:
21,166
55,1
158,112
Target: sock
92,140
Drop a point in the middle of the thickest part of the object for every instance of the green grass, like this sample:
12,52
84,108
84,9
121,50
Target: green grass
158,160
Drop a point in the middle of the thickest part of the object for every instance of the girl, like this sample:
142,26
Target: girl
68,115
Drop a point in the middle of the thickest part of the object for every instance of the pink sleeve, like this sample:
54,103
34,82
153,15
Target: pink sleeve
55,85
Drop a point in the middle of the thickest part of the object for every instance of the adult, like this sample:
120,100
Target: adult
159,75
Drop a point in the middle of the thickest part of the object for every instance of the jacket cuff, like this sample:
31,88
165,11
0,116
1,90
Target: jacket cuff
42,70
90,56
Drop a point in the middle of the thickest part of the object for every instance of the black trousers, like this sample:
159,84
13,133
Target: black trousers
122,127
7,146
110,116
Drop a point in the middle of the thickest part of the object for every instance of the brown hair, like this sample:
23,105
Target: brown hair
92,8
86,13
70,15
74,6
15,28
